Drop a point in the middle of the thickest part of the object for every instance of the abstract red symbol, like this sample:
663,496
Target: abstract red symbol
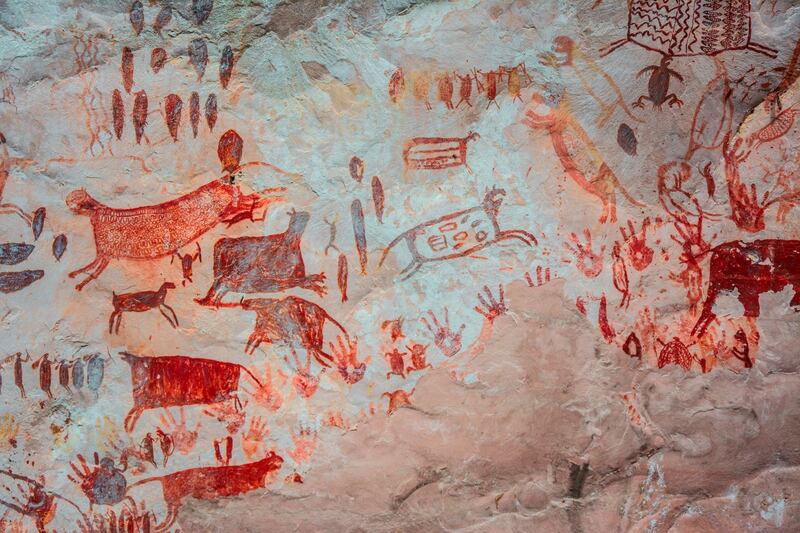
436,153
698,27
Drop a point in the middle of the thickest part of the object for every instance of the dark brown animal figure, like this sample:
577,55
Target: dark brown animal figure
658,86
750,269
291,321
138,302
457,234
262,264
187,261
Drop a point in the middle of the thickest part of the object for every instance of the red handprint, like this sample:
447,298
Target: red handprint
351,370
444,338
494,308
183,439
263,393
305,442
589,263
253,440
305,383
539,279
639,253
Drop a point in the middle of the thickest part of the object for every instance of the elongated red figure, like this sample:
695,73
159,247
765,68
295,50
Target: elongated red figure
173,107
139,115
127,69
117,113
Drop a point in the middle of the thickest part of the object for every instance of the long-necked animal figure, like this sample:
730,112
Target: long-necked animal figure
577,153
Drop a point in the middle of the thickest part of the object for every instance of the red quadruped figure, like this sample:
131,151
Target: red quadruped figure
211,483
749,269
152,232
178,380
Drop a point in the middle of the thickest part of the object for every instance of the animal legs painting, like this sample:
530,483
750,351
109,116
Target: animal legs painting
399,266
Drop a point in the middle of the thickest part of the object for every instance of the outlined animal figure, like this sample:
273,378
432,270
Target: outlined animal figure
436,153
210,483
156,231
289,320
457,234
187,263
658,86
152,232
750,269
577,153
177,380
138,302
681,28
262,264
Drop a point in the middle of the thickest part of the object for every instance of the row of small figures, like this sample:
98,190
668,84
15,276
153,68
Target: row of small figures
86,370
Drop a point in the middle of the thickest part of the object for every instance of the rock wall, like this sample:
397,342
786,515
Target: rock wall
399,266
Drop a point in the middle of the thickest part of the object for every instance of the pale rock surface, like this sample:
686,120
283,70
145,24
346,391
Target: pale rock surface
539,411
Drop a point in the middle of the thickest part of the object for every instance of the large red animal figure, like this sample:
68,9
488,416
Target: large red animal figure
211,482
151,232
176,380
751,269
154,231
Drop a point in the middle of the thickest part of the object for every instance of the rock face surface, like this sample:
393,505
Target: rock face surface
399,266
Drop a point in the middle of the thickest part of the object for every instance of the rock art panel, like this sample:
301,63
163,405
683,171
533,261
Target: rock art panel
399,266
